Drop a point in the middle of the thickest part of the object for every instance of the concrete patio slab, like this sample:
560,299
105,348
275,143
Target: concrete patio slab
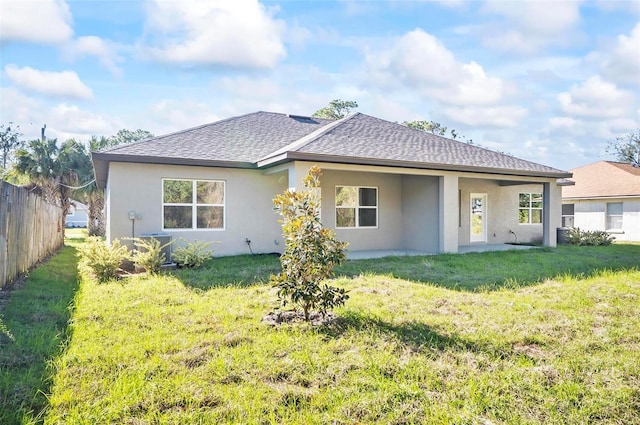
365,255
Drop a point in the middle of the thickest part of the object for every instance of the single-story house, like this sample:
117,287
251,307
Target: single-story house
78,215
606,196
384,186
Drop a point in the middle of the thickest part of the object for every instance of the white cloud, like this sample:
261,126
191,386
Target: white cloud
530,25
172,115
491,116
71,121
64,121
596,98
104,50
239,33
64,84
41,21
420,61
622,63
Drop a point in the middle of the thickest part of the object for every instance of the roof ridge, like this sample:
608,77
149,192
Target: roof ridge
305,140
114,148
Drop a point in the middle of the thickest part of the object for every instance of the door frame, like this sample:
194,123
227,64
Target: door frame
483,238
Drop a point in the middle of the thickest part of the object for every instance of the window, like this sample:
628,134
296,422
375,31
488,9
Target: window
530,209
567,215
193,204
614,215
356,206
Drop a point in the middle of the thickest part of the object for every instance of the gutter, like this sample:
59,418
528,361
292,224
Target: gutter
300,156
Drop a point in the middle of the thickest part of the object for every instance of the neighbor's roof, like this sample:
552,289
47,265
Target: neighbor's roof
604,179
264,139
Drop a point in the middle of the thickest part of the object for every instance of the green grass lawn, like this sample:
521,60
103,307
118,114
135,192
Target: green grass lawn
34,330
540,336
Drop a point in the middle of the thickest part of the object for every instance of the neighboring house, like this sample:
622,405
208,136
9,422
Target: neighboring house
384,186
606,196
78,215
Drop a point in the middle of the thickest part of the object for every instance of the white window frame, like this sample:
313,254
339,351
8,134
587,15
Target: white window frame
356,207
194,206
608,215
565,216
530,208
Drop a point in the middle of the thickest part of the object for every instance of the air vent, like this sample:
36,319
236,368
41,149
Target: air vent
302,118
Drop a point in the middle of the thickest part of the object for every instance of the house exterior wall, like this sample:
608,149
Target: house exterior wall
420,210
410,206
502,212
389,232
77,217
248,205
590,214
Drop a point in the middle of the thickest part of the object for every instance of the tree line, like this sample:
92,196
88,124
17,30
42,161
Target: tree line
60,172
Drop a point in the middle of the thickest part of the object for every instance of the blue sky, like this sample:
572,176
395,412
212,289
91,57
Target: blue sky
548,81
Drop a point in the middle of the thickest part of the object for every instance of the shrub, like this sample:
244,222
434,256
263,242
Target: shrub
193,254
148,254
575,236
311,251
102,260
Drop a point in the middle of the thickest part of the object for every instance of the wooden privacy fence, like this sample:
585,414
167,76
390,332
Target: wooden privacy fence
30,230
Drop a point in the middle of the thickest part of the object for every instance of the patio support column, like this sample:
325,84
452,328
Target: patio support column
448,213
550,192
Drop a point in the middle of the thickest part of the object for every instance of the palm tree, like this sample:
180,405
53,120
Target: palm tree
51,168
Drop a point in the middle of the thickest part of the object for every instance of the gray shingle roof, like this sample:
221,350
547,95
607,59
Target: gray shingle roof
246,138
262,139
365,136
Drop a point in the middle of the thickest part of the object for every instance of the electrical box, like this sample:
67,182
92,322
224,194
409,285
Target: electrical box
165,241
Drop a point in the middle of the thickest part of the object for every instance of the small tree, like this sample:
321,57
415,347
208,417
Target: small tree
311,251
336,110
626,148
9,141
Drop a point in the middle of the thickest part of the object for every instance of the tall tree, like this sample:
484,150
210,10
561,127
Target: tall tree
336,110
437,129
626,148
124,136
51,168
9,141
92,196
428,126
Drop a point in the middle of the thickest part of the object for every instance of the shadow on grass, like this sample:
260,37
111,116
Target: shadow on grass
237,271
36,318
501,269
484,271
417,336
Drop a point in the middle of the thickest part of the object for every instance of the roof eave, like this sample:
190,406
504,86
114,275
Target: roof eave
301,156
582,198
101,163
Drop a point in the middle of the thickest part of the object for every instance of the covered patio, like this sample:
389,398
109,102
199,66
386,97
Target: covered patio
465,249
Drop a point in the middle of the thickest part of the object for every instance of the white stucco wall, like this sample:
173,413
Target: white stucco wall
420,209
591,215
502,212
388,234
248,205
410,203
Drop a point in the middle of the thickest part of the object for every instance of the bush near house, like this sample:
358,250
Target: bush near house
575,236
192,254
101,260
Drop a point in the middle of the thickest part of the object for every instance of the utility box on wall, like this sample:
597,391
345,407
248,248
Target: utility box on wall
165,242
